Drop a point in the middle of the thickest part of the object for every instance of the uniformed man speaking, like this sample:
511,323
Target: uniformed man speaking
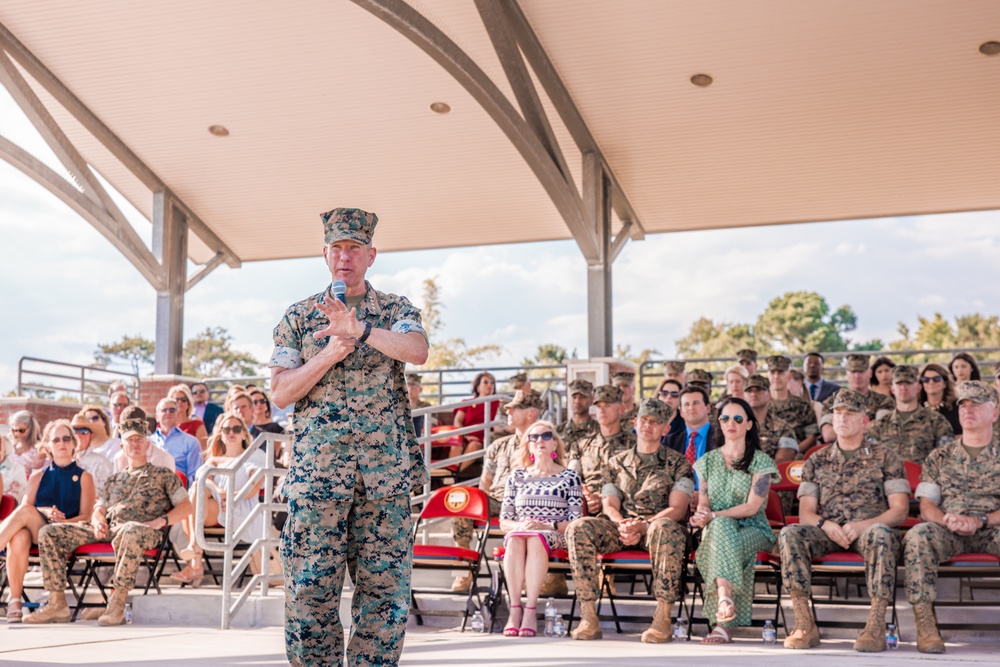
354,458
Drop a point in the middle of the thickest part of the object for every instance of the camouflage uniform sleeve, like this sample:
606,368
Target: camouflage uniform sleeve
894,480
826,416
808,485
930,476
490,459
610,488
174,489
683,477
407,318
287,342
944,434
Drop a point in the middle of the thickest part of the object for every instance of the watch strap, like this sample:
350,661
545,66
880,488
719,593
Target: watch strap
367,333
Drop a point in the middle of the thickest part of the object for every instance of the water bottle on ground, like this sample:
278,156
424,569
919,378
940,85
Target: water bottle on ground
680,630
891,638
559,627
550,616
478,624
769,634
128,613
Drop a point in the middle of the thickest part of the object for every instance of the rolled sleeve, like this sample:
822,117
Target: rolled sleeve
285,357
896,486
684,485
408,320
809,489
178,496
788,443
610,490
929,490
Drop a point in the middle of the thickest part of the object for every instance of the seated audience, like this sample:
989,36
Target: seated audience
964,367
262,412
734,377
101,440
414,387
15,481
156,455
484,384
580,424
674,370
747,358
205,410
187,421
99,467
590,455
911,430
61,492
185,449
25,434
797,383
669,392
134,510
818,388
881,382
734,481
625,381
937,391
540,499
859,375
116,404
777,437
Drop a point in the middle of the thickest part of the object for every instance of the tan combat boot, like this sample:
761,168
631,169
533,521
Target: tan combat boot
872,638
928,638
555,584
589,626
659,631
806,634
55,611
115,613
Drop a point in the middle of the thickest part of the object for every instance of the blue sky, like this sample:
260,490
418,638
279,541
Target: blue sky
64,288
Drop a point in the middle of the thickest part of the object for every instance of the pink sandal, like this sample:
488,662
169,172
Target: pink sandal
529,632
510,630
15,611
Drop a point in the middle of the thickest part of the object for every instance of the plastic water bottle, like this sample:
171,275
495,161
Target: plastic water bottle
769,634
550,616
559,627
891,638
478,625
680,630
128,613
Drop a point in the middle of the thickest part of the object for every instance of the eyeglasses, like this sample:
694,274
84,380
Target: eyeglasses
19,430
739,419
668,394
119,405
65,438
927,379
260,401
168,410
535,437
82,431
181,399
199,392
94,418
232,429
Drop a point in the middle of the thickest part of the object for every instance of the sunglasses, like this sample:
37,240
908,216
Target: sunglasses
927,379
535,437
82,431
181,399
94,418
739,419
199,392
19,430
65,438
259,401
668,394
168,410
232,429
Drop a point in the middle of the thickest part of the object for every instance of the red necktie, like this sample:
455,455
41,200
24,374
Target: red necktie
690,452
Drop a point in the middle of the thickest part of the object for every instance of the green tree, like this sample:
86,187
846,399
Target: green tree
135,350
708,339
802,322
448,352
548,354
210,354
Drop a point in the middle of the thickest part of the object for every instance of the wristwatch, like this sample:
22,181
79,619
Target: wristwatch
819,524
985,519
555,526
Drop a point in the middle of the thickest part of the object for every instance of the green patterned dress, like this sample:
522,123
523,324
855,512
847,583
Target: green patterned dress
729,547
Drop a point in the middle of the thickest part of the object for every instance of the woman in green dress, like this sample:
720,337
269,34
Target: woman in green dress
734,481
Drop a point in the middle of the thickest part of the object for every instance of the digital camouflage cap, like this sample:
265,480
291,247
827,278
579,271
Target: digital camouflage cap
348,224
414,379
623,378
976,391
850,400
517,381
526,399
905,374
132,422
658,410
673,367
757,381
779,362
858,362
747,354
608,394
700,375
581,386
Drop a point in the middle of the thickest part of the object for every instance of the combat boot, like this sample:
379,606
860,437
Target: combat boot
806,634
659,631
872,638
115,613
555,584
55,610
589,626
928,638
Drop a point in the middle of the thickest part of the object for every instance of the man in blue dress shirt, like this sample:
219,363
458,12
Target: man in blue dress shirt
185,448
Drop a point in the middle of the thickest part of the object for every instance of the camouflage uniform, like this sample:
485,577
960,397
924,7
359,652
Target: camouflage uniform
959,485
912,435
131,498
499,460
798,412
644,488
878,405
355,459
846,490
570,431
628,419
775,434
594,452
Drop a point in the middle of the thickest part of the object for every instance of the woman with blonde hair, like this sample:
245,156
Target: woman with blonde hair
25,434
734,377
189,422
540,500
101,439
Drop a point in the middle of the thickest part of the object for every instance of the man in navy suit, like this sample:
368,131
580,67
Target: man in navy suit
819,389
208,412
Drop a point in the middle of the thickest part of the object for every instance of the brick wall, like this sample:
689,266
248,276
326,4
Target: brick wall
155,387
43,409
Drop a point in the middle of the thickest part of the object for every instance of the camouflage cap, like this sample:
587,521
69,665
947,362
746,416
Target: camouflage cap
580,386
658,410
976,391
757,381
517,381
348,224
526,399
851,400
858,362
747,354
608,394
414,379
676,367
700,375
904,374
779,362
623,377
132,422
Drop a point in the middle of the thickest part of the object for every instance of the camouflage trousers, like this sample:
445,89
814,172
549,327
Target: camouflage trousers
927,545
462,529
590,536
57,541
799,544
319,543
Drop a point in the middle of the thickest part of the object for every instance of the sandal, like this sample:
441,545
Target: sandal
15,612
529,632
511,629
725,599
190,575
718,635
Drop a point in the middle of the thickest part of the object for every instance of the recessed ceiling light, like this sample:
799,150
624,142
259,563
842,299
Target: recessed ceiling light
990,48
701,80
440,107
218,130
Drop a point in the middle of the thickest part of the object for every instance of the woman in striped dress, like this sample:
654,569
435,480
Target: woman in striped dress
539,502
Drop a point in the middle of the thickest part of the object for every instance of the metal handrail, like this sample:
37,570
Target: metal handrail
80,383
267,475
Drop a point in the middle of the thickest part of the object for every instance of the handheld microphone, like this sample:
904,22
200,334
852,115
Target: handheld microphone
339,290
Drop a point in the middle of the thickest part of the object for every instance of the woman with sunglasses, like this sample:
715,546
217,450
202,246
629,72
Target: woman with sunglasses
229,441
101,440
25,434
99,467
60,492
189,422
734,481
540,500
262,411
669,391
937,390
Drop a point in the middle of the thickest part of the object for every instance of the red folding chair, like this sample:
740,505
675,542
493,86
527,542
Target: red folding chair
787,488
913,471
450,502
558,562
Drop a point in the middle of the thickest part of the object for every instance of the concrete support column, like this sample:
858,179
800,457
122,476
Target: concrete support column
170,249
597,209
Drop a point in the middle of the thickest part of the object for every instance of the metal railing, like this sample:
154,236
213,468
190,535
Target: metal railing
60,380
266,478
